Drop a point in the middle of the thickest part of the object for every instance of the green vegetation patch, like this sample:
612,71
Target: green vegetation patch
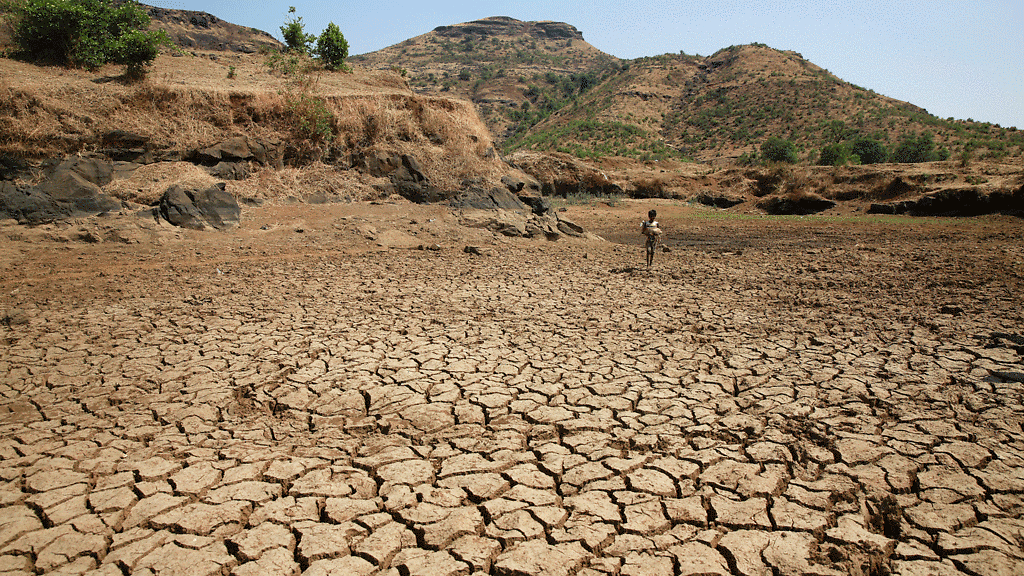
86,33
595,139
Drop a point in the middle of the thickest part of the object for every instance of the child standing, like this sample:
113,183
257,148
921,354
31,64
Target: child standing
651,229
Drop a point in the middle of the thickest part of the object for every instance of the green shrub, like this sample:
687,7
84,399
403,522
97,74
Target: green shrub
136,50
777,149
869,150
332,48
294,34
915,149
310,117
86,33
834,155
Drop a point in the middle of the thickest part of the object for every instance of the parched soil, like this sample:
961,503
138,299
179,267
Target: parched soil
314,393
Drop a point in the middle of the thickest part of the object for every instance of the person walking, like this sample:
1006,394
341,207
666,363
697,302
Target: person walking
652,231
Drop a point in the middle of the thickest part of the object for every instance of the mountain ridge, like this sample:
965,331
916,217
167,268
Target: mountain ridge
538,92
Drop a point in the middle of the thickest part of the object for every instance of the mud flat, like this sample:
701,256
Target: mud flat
775,397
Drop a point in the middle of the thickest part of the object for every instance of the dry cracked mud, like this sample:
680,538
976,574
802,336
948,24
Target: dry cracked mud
774,398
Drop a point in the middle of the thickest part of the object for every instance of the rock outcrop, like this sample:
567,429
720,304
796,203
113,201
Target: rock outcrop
213,207
504,213
505,26
70,189
795,205
957,202
194,30
405,173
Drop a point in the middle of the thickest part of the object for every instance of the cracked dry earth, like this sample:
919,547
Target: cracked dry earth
825,399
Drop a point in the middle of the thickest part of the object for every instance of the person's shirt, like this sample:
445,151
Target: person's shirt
648,224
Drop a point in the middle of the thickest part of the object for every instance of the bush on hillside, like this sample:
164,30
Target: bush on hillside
332,48
86,33
916,149
295,36
834,155
777,149
869,151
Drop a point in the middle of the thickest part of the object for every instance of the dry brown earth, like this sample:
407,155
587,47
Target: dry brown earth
777,396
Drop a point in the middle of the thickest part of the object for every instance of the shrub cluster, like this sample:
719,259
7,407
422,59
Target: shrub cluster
86,33
860,151
834,155
294,34
869,151
921,148
776,149
330,47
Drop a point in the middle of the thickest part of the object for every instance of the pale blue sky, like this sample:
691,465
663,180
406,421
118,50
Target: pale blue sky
959,59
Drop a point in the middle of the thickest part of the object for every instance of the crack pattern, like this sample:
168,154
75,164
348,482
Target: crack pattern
784,410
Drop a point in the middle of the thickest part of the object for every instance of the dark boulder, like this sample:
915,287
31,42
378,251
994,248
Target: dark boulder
528,191
213,207
28,205
570,228
493,199
71,189
80,196
957,202
405,173
94,170
241,149
178,208
538,204
717,200
795,206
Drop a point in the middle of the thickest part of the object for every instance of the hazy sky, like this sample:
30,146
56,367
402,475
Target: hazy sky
953,58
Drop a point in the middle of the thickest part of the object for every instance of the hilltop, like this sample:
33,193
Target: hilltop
499,63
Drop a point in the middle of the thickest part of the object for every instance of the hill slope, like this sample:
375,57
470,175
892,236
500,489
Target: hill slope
505,66
724,106
540,86
203,31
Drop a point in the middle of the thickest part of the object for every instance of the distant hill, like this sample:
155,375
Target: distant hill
202,31
723,107
503,65
541,86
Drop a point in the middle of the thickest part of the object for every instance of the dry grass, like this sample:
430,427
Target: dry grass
650,187
315,182
147,183
446,136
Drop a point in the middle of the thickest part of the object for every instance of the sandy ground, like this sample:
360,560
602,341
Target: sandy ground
313,393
